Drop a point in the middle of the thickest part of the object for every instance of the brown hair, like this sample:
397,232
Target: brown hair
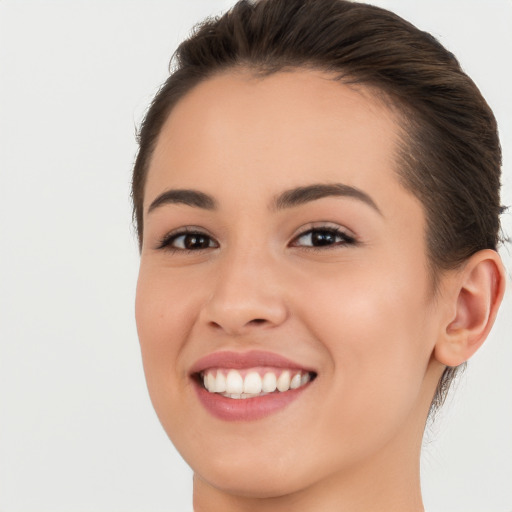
450,156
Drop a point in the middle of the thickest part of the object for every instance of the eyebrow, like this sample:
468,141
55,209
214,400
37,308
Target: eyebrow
287,199
301,195
184,196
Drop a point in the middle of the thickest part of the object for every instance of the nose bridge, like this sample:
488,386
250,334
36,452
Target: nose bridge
247,291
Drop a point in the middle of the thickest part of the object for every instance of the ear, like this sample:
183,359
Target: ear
475,295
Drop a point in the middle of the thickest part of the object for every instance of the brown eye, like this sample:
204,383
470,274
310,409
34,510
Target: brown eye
194,242
188,242
322,238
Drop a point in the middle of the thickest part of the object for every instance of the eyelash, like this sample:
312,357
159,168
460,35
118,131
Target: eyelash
168,239
335,232
346,240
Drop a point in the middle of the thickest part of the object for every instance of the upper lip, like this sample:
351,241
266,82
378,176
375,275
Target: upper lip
241,360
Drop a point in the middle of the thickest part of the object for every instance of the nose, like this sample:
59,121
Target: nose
246,295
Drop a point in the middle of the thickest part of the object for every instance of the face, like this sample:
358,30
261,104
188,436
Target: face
280,250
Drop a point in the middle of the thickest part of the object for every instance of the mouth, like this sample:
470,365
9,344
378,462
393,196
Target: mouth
253,382
248,386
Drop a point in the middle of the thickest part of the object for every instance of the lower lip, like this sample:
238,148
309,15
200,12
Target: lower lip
246,409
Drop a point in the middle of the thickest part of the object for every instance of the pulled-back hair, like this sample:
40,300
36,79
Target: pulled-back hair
449,156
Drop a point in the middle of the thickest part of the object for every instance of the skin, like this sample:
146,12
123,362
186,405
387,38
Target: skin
362,314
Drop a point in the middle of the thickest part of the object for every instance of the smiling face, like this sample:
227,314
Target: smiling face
277,239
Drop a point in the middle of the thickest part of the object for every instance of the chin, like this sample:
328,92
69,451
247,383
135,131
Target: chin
249,481
248,469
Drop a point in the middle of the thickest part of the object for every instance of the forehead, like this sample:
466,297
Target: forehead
248,133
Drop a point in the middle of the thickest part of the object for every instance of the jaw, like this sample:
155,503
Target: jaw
390,476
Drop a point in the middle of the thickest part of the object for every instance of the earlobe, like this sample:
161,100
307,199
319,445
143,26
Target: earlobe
477,294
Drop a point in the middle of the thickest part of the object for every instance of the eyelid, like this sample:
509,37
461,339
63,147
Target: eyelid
326,226
349,237
165,241
345,238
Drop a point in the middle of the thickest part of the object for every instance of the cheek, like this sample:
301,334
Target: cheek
160,308
365,307
162,324
373,326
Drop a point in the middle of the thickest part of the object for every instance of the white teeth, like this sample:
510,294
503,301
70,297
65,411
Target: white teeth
233,385
269,383
295,382
210,382
220,383
243,395
252,383
234,382
283,382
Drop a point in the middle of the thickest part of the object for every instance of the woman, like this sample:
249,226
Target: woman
317,201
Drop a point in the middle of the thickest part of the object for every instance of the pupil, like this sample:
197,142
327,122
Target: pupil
322,238
196,242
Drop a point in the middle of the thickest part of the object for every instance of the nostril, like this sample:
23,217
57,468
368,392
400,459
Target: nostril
233,327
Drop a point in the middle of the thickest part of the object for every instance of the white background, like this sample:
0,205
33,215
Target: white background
77,431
